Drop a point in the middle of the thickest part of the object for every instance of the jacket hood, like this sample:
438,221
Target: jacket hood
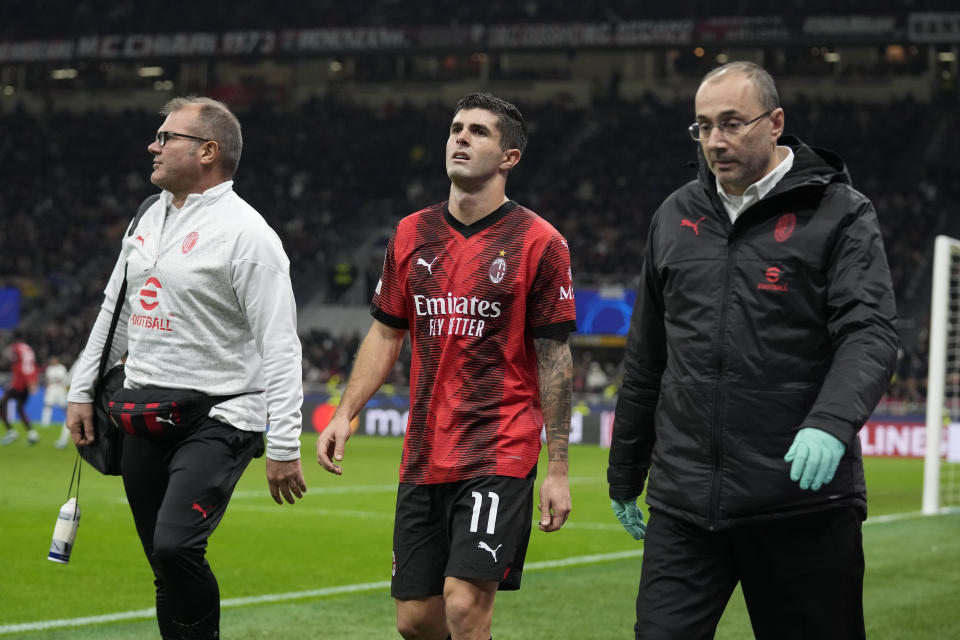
812,166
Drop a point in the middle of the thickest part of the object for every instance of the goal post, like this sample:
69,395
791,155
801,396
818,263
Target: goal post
941,485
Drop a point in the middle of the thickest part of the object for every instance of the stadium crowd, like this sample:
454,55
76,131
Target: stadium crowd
333,177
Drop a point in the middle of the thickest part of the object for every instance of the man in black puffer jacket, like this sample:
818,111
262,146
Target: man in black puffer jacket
762,338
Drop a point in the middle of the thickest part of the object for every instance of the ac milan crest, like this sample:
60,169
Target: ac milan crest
190,241
785,226
498,269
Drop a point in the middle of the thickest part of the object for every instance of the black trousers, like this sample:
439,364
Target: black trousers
20,396
178,491
802,576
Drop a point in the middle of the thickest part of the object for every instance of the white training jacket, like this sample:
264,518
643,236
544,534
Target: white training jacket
209,306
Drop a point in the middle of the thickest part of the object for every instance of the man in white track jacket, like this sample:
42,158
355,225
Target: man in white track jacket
209,307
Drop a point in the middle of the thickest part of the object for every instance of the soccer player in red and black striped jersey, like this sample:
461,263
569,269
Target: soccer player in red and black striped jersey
22,384
484,287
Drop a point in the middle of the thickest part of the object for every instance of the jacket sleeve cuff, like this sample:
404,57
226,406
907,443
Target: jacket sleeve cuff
620,492
80,397
282,454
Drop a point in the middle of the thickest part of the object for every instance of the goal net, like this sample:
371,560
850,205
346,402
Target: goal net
941,474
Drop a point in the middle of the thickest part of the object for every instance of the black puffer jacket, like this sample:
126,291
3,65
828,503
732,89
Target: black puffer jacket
743,334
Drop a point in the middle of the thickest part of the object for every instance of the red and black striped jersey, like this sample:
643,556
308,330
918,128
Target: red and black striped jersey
474,298
25,371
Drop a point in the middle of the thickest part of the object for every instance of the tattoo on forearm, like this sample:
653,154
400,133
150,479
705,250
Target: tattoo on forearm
555,372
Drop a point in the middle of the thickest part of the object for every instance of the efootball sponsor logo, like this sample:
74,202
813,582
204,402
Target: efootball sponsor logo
451,304
772,281
149,293
149,322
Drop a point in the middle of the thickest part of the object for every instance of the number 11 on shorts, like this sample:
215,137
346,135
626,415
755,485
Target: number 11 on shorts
492,518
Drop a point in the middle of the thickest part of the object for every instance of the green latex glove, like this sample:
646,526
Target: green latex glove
815,455
630,517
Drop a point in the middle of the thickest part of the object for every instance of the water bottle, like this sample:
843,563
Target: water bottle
65,532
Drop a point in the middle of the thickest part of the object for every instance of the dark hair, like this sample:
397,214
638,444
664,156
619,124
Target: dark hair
761,80
513,130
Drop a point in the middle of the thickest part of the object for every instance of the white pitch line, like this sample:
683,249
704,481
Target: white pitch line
143,614
893,517
577,560
78,622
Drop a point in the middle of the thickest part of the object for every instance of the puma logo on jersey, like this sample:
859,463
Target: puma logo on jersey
483,545
167,420
429,265
692,225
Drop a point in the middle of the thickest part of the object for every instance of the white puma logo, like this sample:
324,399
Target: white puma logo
493,552
167,420
428,265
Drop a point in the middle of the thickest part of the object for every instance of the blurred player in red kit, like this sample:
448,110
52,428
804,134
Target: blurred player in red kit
22,384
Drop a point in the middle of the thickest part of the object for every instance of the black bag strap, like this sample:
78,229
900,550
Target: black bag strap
121,296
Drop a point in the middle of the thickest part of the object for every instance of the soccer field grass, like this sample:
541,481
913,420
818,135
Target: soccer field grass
320,568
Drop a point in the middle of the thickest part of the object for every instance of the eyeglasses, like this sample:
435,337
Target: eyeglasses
729,128
164,136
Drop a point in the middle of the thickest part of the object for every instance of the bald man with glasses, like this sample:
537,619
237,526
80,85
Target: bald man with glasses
762,338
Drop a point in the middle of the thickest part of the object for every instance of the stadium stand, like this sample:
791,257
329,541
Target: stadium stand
51,18
72,181
333,173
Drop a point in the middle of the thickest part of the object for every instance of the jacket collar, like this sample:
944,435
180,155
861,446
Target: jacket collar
812,167
206,197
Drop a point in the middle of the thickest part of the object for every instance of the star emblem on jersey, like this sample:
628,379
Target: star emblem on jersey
483,545
498,269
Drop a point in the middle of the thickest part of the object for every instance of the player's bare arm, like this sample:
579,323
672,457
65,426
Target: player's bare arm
555,374
375,358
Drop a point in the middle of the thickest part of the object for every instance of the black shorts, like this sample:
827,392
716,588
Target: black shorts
20,395
473,529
